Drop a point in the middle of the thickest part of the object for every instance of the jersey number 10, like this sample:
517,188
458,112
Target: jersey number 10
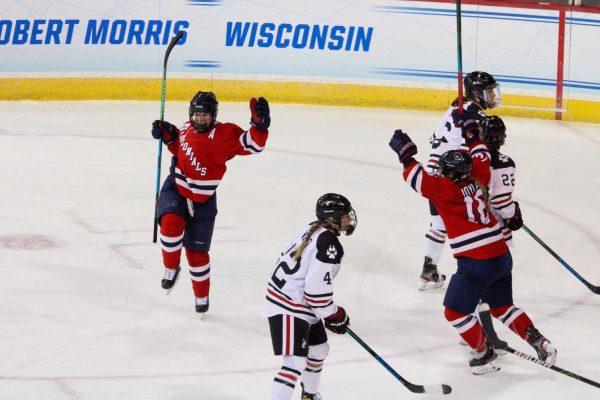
477,209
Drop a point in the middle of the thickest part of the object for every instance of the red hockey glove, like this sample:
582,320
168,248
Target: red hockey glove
261,114
338,322
165,131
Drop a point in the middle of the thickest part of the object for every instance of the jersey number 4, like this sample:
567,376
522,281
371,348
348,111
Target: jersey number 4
476,208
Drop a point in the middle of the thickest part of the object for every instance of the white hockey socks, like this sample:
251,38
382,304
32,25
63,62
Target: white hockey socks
435,239
314,365
286,378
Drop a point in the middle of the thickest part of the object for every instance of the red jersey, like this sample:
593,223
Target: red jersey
472,230
201,156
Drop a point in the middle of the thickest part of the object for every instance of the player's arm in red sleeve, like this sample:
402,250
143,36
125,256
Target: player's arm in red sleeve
481,160
414,173
254,139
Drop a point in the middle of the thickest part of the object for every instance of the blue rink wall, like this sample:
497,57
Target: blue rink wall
365,53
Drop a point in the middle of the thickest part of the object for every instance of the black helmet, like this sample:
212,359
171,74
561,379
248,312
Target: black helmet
477,84
204,102
332,207
493,132
455,165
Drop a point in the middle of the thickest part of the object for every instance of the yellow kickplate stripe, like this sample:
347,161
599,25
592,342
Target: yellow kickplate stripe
338,94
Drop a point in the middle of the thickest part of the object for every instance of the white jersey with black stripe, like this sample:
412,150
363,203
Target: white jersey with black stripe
501,187
304,288
448,137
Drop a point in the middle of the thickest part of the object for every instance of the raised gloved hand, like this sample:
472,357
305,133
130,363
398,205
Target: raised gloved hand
466,122
165,131
261,115
338,322
402,144
516,221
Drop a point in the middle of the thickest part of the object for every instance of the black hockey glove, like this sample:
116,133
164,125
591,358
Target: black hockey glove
165,131
261,115
338,322
402,144
467,124
516,222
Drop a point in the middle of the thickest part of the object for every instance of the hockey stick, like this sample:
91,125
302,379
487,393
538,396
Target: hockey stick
429,389
593,288
552,367
162,117
459,55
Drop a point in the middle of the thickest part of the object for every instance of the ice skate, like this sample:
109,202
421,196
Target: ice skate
545,350
309,396
170,278
430,277
483,362
202,305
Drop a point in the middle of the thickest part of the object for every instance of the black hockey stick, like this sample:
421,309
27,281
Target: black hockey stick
593,288
552,367
174,41
429,389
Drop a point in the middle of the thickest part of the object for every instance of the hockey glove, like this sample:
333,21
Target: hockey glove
261,115
338,322
165,131
467,124
402,144
516,222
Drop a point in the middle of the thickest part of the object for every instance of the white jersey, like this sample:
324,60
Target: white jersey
501,187
448,137
304,288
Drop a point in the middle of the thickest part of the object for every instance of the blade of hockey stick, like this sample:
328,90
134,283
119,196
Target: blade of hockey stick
552,367
429,389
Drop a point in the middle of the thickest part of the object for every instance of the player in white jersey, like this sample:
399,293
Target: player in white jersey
502,183
481,92
300,298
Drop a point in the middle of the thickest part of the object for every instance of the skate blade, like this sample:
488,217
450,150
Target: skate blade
485,369
201,316
168,291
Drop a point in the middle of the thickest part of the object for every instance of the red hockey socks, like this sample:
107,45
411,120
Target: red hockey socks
468,327
171,239
199,271
514,318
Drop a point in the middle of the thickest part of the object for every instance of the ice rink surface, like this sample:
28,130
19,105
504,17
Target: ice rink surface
83,316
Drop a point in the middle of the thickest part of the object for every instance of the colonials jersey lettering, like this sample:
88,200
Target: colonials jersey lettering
201,156
304,288
472,231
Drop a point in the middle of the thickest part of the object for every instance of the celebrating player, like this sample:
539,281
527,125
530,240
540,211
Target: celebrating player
187,205
484,261
482,92
300,296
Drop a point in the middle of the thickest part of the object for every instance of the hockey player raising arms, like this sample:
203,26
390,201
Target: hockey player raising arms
300,296
187,205
482,92
484,261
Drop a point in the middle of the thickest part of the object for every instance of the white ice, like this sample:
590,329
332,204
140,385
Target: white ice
83,316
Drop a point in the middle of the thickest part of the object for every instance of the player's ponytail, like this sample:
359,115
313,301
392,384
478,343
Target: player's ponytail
302,245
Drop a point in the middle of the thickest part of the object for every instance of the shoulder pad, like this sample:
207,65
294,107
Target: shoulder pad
329,248
500,160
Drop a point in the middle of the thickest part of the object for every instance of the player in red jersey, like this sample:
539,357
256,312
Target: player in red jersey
484,262
187,205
